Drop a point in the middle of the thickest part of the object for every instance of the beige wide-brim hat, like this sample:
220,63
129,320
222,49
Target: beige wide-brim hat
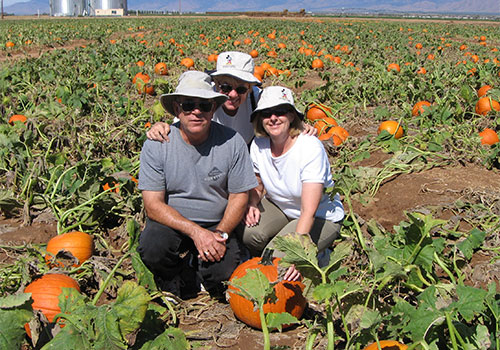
193,84
236,64
274,96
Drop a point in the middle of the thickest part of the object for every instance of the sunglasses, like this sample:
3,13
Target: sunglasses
279,111
204,105
226,88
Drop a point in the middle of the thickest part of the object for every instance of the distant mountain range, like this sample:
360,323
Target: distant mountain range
483,7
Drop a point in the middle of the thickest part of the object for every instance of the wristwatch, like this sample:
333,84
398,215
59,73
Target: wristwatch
223,235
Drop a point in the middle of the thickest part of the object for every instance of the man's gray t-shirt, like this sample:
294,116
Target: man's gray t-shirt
197,180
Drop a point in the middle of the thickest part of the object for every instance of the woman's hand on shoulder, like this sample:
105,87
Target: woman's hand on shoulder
309,129
159,132
252,216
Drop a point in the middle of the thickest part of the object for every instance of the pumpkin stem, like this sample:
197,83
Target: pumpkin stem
267,257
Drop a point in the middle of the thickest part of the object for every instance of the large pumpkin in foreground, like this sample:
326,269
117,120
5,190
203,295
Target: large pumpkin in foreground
45,294
77,243
289,294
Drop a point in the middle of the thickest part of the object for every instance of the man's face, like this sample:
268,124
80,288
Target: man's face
195,114
235,89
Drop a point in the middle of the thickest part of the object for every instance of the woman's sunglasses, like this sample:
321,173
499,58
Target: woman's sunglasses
204,105
278,111
226,88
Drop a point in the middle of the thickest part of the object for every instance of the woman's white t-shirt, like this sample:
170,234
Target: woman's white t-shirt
283,176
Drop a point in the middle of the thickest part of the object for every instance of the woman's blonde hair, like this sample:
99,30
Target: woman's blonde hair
296,125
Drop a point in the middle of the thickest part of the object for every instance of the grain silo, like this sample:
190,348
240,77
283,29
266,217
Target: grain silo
67,8
107,7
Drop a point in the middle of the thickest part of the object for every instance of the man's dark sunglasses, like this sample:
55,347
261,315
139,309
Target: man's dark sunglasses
204,105
226,88
278,111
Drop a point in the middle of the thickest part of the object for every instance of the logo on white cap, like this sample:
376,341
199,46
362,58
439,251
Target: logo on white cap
284,96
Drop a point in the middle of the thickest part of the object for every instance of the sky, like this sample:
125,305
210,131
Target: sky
464,6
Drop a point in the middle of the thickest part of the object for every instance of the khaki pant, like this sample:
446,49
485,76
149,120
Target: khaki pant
274,222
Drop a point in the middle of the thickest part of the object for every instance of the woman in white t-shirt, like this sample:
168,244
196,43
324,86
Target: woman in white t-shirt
293,170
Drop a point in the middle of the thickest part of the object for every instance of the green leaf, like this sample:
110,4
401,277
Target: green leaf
426,318
68,338
170,339
109,335
370,319
301,251
492,302
106,326
130,306
15,311
144,277
277,320
323,292
255,287
473,241
13,301
470,301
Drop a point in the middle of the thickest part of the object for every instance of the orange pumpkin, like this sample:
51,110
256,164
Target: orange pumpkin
324,127
254,53
145,88
422,70
140,63
289,294
317,64
485,105
212,57
391,126
388,345
17,118
161,68
79,244
339,135
141,76
9,44
265,66
45,294
488,137
393,66
272,53
483,90
419,107
317,111
259,70
187,62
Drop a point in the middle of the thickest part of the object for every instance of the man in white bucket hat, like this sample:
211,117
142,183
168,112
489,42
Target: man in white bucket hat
195,191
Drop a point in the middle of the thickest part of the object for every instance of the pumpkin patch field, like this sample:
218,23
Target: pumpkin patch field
408,111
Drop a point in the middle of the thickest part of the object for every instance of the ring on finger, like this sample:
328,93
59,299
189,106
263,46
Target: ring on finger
207,252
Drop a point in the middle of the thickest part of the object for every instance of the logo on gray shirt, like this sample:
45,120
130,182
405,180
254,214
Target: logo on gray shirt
213,174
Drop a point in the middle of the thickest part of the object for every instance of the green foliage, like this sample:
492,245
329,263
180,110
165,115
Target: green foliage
15,311
100,327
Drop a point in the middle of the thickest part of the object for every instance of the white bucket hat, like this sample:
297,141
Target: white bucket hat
236,64
193,84
273,96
